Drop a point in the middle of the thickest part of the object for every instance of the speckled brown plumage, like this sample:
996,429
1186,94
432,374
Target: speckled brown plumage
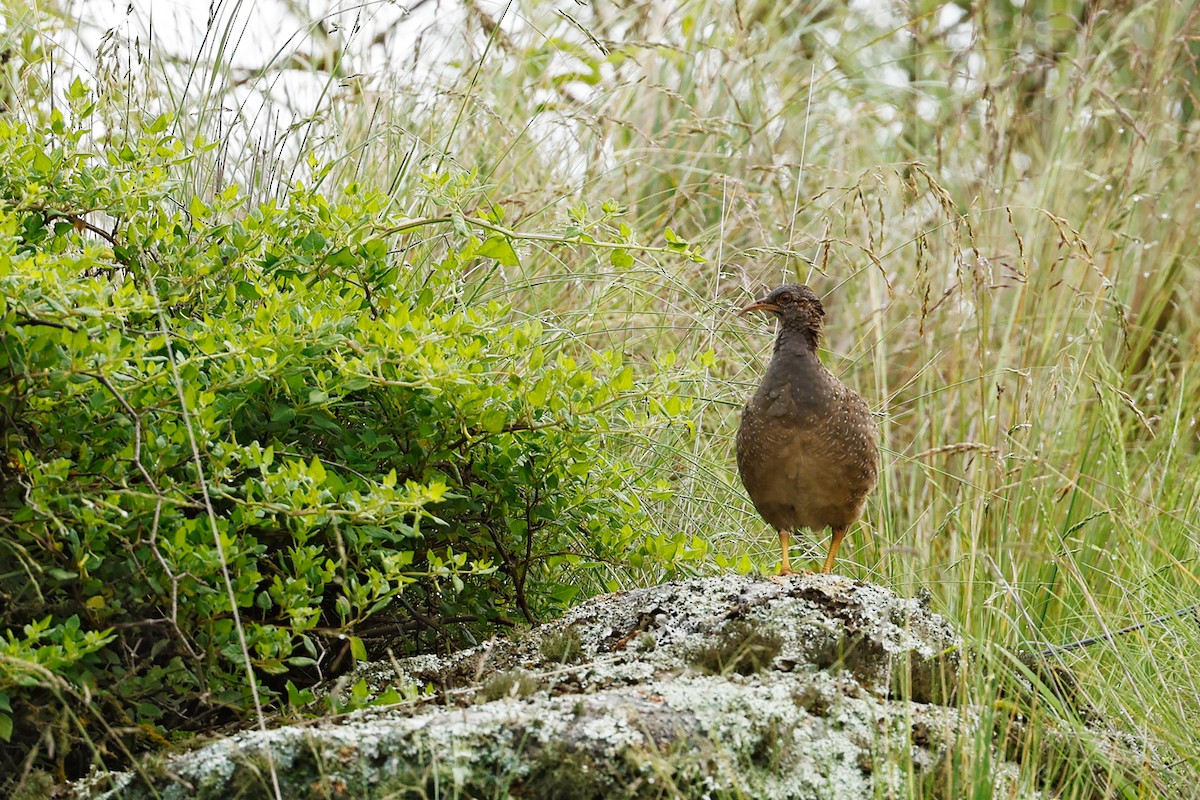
807,446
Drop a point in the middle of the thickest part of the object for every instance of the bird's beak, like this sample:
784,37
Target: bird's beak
759,305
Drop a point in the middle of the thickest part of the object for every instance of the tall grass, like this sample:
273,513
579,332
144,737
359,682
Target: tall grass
1000,206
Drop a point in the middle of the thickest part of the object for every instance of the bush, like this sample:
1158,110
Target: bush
236,429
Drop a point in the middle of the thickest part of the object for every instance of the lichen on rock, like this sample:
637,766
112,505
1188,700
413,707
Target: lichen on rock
814,686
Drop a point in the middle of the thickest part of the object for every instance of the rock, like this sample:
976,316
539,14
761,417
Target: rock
812,686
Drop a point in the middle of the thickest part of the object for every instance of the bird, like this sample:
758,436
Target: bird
807,445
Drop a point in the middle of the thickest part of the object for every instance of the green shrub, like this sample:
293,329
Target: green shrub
285,420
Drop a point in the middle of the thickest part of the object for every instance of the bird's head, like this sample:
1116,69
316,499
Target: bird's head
796,306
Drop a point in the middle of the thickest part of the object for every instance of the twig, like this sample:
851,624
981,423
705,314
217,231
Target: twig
1066,648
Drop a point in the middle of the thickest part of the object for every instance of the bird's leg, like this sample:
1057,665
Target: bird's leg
838,535
785,540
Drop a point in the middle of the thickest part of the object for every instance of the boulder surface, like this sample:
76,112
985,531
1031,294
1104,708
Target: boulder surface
810,686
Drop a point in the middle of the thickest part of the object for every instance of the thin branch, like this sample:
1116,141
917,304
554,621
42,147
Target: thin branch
1112,635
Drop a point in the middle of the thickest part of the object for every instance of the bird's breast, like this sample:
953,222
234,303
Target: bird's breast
807,450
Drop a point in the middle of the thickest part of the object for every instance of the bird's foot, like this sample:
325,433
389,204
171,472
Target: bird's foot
786,572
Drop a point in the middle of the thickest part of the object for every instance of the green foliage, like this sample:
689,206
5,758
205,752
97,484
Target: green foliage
236,429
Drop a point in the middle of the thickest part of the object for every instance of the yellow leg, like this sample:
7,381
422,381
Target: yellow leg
785,540
838,535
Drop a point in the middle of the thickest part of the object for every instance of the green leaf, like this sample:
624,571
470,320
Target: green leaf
675,242
493,420
388,698
149,711
498,247
247,291
317,470
42,163
624,380
387,278
197,208
342,257
311,242
78,90
299,697
160,123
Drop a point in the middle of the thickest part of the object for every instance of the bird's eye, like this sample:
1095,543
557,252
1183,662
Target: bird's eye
786,298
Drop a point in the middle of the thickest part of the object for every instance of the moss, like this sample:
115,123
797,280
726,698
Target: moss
742,647
563,646
513,683
35,786
566,774
251,777
431,772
